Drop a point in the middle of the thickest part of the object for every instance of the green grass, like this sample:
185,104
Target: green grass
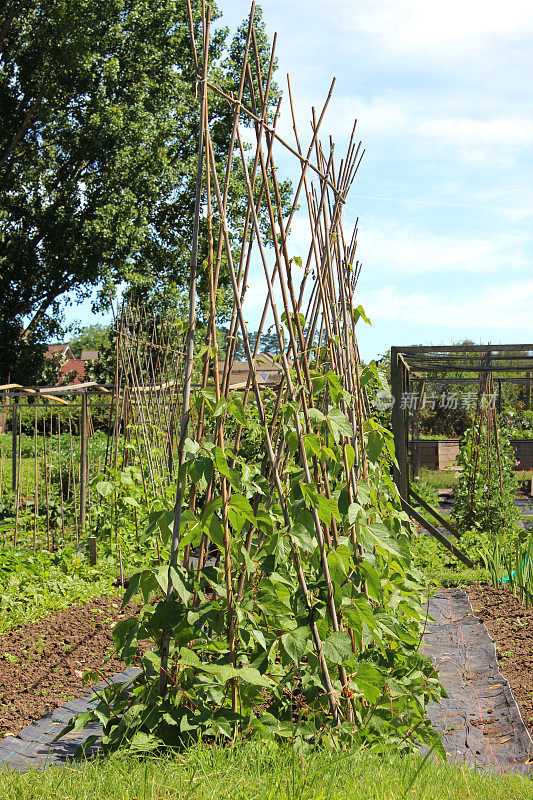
263,771
447,478
523,475
27,472
438,478
456,576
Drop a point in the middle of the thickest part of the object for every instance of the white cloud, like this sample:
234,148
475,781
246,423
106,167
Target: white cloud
388,248
504,307
421,128
417,125
436,27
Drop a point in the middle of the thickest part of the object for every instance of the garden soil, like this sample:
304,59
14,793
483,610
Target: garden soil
38,661
511,626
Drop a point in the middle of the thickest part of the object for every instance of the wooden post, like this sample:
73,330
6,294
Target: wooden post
92,551
84,429
401,477
415,446
440,537
35,494
406,387
20,475
14,446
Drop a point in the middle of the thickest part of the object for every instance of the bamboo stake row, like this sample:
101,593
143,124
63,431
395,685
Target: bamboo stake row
149,353
326,288
46,494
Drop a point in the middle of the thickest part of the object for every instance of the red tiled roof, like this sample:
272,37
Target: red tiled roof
57,348
62,350
74,365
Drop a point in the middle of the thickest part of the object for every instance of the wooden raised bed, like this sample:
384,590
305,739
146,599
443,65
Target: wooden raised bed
524,453
442,453
436,453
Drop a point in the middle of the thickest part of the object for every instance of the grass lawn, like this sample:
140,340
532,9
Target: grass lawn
523,475
438,478
264,771
447,478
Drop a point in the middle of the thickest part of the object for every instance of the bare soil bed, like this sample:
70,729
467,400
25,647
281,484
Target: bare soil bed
511,626
37,662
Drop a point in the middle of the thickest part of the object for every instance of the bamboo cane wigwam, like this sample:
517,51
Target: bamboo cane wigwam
49,492
287,565
314,326
145,397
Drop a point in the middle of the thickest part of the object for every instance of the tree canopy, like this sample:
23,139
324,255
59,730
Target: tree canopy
90,337
98,140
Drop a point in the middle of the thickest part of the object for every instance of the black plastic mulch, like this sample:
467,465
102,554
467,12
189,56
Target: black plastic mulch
480,721
34,745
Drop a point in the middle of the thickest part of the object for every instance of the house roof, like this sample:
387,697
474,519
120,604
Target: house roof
63,350
89,355
267,370
74,365
264,358
57,348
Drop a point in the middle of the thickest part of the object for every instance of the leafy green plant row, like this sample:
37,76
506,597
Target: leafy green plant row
485,511
34,585
272,675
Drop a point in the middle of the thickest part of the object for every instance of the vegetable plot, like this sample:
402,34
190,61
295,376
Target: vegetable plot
288,604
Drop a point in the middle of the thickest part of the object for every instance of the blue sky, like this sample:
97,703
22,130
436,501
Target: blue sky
442,95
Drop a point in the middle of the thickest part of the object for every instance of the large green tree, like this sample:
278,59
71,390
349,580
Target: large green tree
98,140
90,337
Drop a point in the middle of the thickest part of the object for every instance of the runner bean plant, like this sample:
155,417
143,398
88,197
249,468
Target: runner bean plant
276,671
286,604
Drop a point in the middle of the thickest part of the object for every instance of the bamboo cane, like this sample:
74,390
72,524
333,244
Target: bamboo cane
165,639
19,471
74,491
35,488
60,475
